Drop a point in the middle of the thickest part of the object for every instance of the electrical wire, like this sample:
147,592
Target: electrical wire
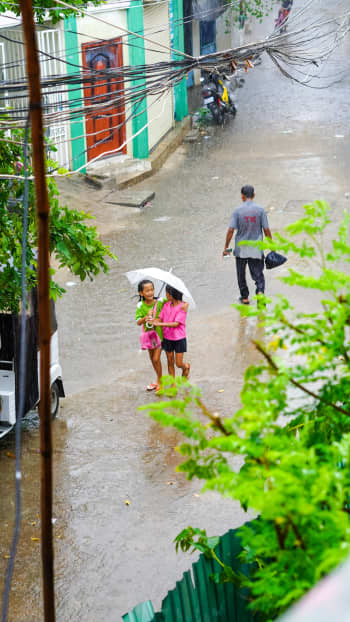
299,55
183,20
165,26
62,60
281,51
121,29
111,152
175,24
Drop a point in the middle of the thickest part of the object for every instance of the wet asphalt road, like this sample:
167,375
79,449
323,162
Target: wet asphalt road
293,145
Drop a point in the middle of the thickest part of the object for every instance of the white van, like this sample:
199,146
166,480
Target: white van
10,327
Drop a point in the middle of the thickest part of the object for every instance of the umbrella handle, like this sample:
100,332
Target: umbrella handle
161,289
164,283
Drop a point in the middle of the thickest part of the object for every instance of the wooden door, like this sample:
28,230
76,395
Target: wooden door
105,124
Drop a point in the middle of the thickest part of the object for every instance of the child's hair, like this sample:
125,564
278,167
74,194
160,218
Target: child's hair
141,286
174,292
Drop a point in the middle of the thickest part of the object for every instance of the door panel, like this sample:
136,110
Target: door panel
207,37
105,125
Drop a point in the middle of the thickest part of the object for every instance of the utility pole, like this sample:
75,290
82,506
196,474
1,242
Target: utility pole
43,211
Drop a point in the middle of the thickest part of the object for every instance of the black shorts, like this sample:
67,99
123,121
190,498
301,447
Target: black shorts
178,346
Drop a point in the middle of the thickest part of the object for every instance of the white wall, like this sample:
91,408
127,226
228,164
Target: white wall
161,112
227,37
196,48
227,33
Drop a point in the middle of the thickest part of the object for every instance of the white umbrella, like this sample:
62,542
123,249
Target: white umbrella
159,278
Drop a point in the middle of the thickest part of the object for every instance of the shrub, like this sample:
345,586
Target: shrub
292,429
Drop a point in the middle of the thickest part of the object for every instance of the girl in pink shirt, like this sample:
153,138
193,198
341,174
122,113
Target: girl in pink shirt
172,319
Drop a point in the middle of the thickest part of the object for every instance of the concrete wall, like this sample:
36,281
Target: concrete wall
160,111
227,33
228,36
196,48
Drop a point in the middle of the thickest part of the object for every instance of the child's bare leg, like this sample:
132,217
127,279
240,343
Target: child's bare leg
155,360
184,366
171,363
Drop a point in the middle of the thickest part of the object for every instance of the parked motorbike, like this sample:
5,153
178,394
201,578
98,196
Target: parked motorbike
217,93
283,14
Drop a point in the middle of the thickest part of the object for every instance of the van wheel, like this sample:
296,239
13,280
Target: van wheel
55,399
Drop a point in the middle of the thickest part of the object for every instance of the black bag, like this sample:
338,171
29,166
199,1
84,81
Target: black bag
273,260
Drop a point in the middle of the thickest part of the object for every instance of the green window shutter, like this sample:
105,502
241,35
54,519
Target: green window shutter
137,57
178,43
75,94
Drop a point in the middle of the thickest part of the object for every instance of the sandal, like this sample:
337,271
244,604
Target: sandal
244,301
152,387
186,372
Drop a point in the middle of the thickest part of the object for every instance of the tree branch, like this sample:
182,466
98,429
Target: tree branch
341,300
297,533
297,384
284,321
216,420
281,535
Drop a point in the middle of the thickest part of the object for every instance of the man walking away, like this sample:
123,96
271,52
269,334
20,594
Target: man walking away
249,221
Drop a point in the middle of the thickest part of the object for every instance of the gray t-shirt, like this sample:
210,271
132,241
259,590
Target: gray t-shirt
248,220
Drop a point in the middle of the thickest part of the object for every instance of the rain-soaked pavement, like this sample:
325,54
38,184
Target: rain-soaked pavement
293,145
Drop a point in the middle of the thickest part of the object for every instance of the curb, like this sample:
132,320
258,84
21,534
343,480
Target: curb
160,154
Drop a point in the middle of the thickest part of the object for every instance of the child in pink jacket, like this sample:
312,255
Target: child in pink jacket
172,319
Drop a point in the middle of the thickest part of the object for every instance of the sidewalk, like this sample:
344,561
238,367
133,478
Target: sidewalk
126,171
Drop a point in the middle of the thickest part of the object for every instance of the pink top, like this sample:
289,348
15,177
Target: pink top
175,313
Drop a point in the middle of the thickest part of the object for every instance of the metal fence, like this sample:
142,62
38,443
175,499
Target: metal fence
201,599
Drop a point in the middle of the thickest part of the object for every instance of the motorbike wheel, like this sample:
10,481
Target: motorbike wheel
218,115
55,399
221,117
233,110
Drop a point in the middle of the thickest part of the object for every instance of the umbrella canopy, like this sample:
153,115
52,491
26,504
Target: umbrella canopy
159,277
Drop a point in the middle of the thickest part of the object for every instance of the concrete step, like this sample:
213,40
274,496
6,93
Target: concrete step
130,198
126,171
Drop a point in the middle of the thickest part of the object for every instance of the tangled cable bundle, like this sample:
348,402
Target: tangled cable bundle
301,54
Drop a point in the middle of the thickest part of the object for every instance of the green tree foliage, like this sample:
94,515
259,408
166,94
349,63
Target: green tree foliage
44,9
240,11
73,243
292,430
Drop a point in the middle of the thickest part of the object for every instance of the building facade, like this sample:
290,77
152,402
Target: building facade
100,42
